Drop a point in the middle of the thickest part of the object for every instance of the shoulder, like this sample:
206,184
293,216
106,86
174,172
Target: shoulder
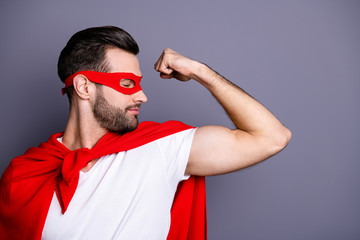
167,124
36,159
154,130
170,131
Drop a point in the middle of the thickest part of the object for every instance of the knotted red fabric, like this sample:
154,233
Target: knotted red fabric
28,184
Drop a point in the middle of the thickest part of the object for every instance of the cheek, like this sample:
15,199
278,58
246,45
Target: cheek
116,98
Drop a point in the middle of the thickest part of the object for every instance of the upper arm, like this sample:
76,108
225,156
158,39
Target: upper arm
218,150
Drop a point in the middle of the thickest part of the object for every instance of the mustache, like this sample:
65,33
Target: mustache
138,105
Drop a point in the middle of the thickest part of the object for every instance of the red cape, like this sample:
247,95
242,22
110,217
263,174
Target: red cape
28,184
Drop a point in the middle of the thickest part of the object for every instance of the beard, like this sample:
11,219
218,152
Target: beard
112,118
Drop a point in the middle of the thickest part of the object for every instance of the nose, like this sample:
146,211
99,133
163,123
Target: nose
139,97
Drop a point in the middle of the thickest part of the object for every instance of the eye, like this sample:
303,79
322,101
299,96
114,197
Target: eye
127,83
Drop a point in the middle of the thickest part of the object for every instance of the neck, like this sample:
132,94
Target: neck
82,130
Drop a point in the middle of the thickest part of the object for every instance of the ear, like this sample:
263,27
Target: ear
82,86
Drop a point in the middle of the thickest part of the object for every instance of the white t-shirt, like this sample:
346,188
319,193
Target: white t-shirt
127,195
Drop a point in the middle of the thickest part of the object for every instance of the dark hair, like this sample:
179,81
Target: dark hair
85,51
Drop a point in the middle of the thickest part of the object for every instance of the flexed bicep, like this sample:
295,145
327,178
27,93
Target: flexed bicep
219,150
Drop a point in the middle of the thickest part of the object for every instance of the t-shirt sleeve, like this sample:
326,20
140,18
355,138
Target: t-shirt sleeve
176,149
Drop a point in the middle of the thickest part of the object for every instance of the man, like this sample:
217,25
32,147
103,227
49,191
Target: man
108,177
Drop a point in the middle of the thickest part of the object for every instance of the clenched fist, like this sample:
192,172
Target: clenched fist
174,65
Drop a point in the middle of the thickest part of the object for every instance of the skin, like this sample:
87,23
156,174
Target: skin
218,150
215,149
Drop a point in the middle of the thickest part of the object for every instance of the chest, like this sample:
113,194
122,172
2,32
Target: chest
121,193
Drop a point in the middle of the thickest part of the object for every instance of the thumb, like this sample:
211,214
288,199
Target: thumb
166,70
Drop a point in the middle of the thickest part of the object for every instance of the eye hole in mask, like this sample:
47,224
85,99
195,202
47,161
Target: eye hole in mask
126,83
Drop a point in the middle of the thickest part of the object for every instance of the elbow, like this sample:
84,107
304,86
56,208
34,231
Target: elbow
286,136
280,140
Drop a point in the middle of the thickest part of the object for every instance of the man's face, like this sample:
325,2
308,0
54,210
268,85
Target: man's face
114,110
114,118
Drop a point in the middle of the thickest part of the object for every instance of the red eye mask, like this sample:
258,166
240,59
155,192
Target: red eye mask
113,80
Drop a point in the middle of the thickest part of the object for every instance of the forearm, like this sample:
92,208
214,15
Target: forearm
246,113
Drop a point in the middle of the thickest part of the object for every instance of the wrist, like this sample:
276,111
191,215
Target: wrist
204,74
199,71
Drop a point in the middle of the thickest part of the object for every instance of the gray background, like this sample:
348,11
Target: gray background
299,58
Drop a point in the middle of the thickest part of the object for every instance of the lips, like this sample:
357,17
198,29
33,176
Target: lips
133,109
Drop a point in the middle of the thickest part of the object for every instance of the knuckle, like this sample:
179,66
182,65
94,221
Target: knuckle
167,50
